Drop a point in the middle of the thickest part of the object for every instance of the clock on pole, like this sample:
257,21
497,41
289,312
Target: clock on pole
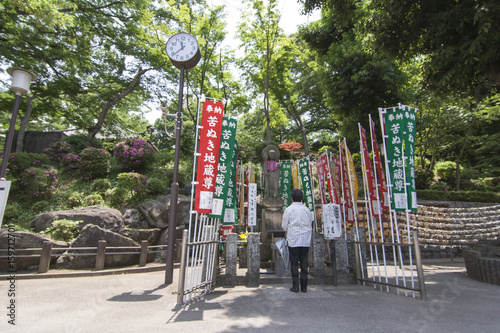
184,52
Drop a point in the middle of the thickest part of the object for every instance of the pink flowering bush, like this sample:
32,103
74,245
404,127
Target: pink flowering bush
19,162
58,150
95,163
38,183
71,161
134,155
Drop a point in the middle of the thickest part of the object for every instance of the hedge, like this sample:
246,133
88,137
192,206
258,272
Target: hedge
466,196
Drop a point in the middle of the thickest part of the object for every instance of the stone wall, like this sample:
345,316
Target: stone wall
443,227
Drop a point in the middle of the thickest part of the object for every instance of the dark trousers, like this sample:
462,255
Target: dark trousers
299,255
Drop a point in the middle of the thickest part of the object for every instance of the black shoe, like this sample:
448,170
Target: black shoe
304,290
295,290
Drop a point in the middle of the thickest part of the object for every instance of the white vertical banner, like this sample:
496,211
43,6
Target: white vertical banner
332,226
4,194
252,205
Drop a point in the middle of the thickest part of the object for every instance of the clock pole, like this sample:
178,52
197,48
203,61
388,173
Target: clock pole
174,189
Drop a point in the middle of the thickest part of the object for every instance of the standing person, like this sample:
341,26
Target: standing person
297,222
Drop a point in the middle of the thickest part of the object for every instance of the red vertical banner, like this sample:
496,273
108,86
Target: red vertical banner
382,184
336,179
320,168
369,175
348,207
211,122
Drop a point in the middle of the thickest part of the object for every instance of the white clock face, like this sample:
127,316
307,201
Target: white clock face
182,47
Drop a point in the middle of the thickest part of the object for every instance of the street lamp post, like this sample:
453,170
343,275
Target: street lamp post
21,80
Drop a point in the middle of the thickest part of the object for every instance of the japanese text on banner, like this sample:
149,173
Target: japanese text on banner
393,127
210,133
224,167
286,183
305,177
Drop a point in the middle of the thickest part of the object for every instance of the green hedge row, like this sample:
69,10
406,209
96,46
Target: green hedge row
467,196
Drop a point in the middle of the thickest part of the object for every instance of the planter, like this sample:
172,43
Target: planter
482,269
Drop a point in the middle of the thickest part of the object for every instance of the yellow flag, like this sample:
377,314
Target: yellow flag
295,175
351,171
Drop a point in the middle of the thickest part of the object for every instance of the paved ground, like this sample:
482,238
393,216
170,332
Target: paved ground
141,303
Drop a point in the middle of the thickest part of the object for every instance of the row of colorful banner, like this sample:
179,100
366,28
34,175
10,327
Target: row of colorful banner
218,172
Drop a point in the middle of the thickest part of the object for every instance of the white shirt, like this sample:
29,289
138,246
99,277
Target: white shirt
297,222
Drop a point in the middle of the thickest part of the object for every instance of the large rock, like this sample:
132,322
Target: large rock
24,240
138,235
133,219
156,212
89,237
104,217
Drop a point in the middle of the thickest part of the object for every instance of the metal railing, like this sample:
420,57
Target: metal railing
398,274
46,252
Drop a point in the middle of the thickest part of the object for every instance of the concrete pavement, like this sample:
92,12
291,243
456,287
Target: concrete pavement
141,303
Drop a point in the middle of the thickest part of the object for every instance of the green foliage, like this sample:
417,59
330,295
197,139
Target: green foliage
157,186
19,162
19,215
466,196
71,161
95,163
446,171
58,150
423,178
40,206
136,183
38,183
100,185
77,141
117,197
93,199
76,199
440,186
64,230
134,155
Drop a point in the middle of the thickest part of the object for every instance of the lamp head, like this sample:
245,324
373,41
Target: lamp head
21,80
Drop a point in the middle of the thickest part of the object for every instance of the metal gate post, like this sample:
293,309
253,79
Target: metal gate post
182,269
420,271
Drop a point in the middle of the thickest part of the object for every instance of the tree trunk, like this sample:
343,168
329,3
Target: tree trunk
24,124
459,157
110,103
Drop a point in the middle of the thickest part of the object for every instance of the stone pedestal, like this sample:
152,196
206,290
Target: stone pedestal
253,248
272,216
318,257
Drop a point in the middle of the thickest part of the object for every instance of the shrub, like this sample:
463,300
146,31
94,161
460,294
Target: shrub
19,162
18,215
100,185
93,199
58,150
40,206
423,178
467,196
136,183
134,155
71,161
446,171
38,183
77,141
65,230
439,186
117,196
157,186
95,163
76,200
